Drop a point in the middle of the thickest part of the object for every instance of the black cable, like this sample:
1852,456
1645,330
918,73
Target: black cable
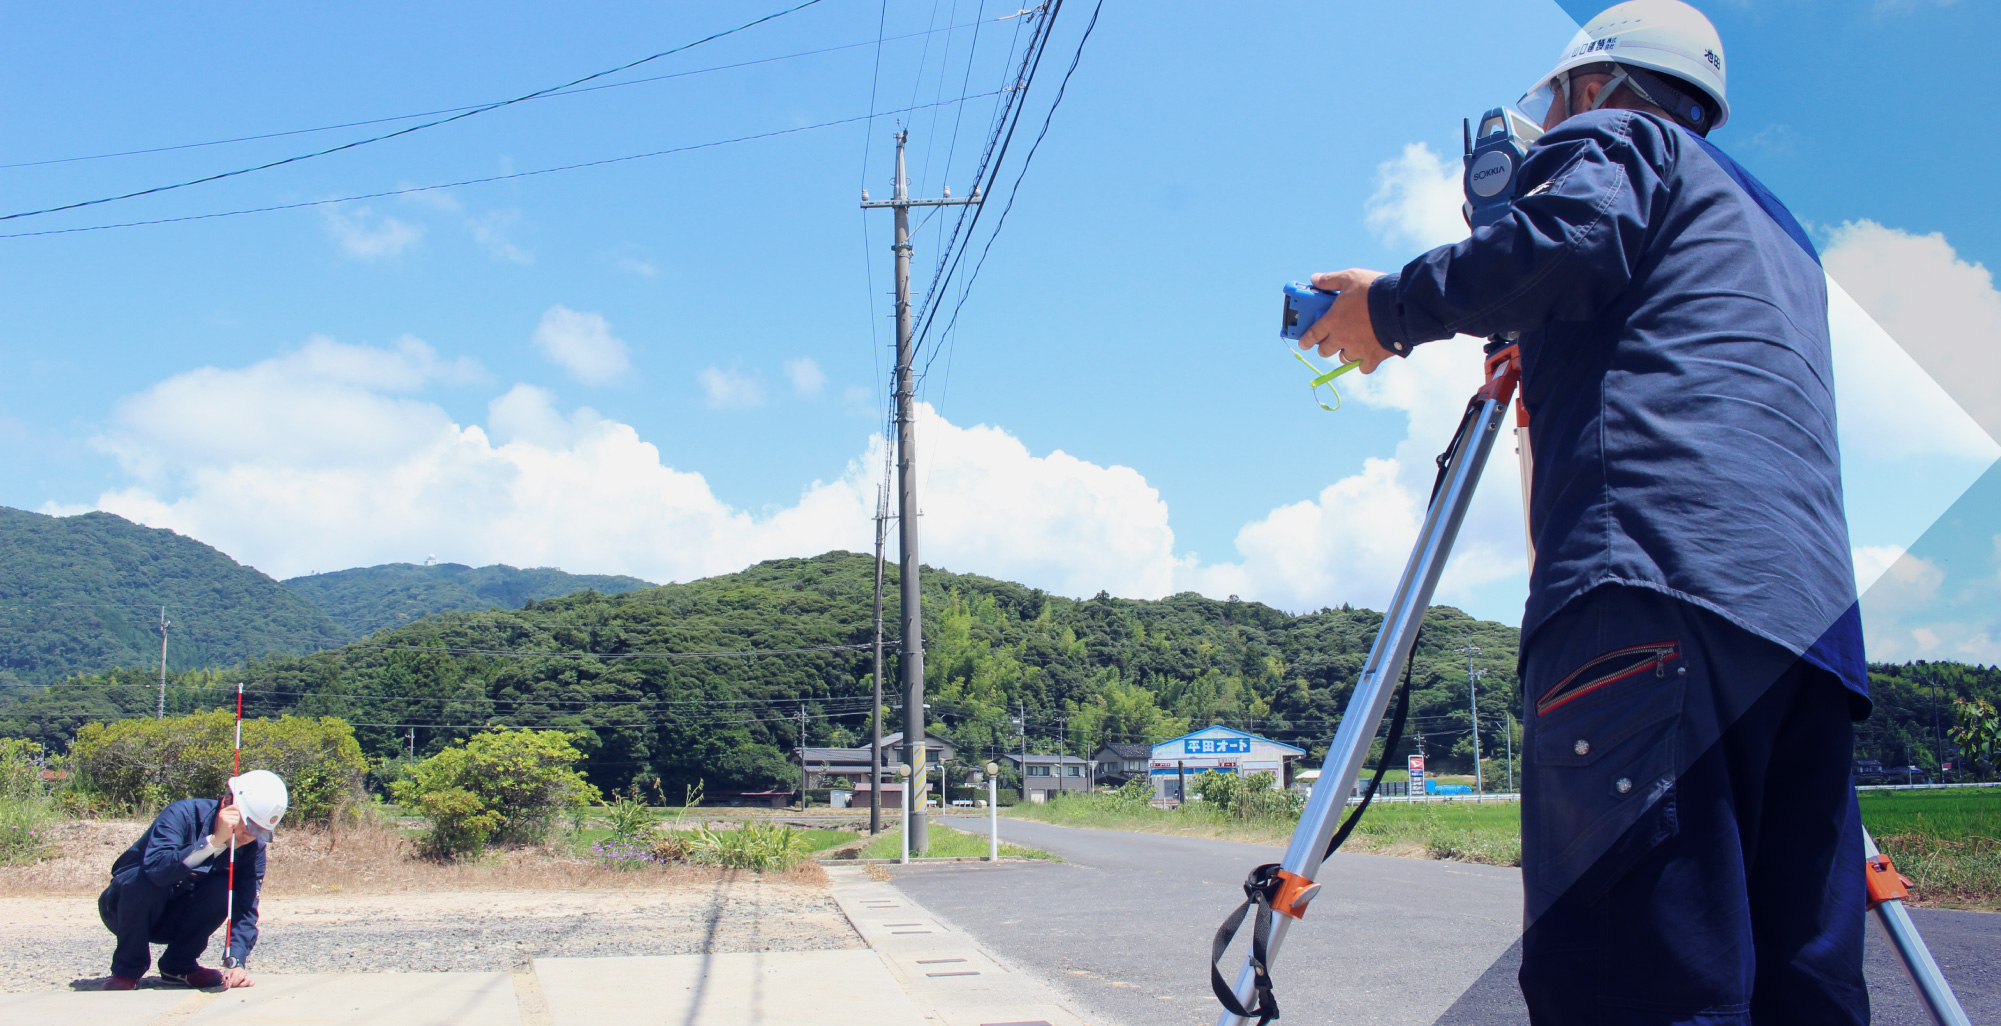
406,131
468,181
1016,188
477,106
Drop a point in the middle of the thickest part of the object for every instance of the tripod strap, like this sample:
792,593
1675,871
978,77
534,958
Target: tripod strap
1264,882
1258,891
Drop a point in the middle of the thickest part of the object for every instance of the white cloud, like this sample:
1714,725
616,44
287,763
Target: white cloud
1943,310
1872,562
361,234
1417,200
731,389
490,231
1350,541
807,377
380,477
582,343
644,269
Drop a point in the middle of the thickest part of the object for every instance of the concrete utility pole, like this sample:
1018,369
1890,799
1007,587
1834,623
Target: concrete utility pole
162,713
1473,705
911,657
875,713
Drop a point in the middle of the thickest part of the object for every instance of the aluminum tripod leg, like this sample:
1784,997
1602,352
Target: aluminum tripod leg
1926,979
1386,661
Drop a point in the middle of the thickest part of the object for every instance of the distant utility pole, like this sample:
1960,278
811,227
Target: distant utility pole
413,744
1473,705
875,711
162,713
911,657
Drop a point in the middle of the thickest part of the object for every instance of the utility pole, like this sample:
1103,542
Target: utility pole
1508,728
875,712
910,661
1473,706
1021,727
162,713
413,744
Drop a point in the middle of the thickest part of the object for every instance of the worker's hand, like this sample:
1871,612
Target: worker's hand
228,823
237,977
1346,333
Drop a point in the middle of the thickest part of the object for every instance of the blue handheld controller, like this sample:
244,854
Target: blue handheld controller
1304,304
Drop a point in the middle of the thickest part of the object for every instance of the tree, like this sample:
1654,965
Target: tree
504,785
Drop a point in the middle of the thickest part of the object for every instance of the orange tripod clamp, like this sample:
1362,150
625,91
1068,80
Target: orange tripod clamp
1883,881
1504,372
1294,891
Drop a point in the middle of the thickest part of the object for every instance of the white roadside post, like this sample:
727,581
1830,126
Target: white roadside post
903,777
993,812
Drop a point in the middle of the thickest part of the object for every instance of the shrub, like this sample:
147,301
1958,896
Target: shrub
502,785
627,814
751,845
1250,799
140,765
27,816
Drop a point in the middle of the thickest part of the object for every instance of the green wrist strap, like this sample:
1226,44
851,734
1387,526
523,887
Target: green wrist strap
1326,378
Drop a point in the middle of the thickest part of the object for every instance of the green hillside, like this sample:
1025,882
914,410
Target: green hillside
368,599
82,594
708,680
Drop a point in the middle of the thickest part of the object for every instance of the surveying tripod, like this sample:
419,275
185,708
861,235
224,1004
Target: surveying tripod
1279,894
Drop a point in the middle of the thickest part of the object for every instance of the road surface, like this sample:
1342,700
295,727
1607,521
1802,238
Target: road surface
1123,926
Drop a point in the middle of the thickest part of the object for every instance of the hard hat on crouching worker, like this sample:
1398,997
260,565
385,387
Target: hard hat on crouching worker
1641,44
261,797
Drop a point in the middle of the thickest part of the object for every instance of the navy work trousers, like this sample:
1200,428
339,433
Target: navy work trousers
1692,849
183,917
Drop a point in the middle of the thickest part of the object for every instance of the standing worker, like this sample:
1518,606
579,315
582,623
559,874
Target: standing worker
1691,656
172,886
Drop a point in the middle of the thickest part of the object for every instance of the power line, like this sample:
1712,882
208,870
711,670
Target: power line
480,106
406,131
469,181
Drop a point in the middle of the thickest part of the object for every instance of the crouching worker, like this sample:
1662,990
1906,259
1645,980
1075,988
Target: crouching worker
172,886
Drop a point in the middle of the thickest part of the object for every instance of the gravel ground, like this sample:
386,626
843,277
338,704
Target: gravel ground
53,943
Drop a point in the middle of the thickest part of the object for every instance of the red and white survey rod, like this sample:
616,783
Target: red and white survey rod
229,902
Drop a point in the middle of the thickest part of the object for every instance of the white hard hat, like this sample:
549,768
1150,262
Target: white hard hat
1665,36
261,797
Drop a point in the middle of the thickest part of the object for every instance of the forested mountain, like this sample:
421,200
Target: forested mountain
368,599
82,594
716,679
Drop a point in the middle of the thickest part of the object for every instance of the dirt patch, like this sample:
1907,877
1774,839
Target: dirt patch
372,858
356,901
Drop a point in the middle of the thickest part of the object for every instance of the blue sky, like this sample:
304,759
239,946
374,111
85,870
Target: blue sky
400,377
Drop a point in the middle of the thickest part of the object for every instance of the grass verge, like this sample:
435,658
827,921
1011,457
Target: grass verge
1948,842
947,842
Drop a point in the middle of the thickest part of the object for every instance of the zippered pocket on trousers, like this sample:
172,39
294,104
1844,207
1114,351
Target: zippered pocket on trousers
1607,670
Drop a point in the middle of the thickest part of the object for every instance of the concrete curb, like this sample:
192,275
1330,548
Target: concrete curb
953,979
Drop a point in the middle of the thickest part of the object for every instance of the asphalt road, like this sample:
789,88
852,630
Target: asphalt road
1123,927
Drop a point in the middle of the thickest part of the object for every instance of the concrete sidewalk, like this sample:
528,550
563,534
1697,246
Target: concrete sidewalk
917,971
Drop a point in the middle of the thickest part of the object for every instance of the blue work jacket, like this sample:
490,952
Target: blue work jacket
1678,378
182,829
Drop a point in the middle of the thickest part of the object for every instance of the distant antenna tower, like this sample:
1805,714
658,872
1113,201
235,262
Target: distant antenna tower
162,713
431,560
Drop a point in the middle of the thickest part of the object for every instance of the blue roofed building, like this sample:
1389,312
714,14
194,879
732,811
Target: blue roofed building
1223,749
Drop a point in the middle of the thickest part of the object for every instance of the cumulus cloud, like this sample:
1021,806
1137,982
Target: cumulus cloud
731,389
582,343
807,377
1417,200
362,234
340,470
1943,310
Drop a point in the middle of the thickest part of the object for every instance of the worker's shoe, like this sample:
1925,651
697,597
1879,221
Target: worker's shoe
121,983
200,977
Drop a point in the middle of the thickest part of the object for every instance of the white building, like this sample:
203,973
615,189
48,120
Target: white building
1224,749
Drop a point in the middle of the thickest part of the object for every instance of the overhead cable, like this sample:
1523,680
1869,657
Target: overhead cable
470,181
413,128
482,106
